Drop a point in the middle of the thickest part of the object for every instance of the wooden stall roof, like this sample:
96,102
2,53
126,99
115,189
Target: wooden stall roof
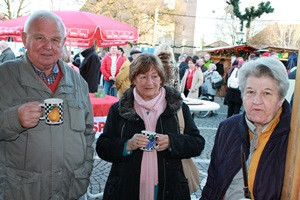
229,51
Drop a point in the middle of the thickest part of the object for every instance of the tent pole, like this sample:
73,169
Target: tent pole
291,183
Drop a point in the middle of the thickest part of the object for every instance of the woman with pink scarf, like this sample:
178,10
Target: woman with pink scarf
148,105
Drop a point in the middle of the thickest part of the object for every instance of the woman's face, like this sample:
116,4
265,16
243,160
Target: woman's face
261,99
191,65
148,84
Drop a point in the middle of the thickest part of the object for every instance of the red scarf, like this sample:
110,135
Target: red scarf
189,78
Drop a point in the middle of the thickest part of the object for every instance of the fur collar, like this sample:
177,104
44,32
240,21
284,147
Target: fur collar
126,108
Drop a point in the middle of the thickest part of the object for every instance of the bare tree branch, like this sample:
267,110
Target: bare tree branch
12,8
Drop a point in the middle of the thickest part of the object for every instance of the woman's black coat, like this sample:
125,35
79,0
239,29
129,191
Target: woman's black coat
122,123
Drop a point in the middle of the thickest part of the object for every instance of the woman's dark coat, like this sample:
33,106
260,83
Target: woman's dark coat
225,161
122,123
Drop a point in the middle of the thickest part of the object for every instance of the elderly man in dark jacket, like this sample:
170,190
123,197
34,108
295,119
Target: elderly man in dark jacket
7,53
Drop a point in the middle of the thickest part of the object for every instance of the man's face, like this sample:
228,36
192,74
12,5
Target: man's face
44,43
200,62
113,49
207,57
182,59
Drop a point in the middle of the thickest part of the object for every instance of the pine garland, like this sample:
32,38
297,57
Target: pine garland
250,13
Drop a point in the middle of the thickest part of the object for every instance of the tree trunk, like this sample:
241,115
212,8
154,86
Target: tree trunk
247,34
291,185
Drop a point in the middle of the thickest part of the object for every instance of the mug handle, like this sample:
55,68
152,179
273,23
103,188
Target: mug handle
156,145
43,106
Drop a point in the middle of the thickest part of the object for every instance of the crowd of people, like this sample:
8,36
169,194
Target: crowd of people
42,161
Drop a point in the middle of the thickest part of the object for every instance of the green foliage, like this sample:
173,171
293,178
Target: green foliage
250,13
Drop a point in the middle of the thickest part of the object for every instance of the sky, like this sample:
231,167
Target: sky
285,11
56,4
209,12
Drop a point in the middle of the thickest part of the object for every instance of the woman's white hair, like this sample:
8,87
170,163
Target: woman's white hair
265,66
44,15
213,66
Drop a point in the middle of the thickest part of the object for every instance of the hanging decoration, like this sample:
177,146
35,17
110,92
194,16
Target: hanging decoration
250,13
238,51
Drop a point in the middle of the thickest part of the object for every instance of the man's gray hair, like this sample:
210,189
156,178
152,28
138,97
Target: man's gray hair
265,66
3,44
44,15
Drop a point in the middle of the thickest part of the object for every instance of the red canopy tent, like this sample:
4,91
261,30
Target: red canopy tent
83,28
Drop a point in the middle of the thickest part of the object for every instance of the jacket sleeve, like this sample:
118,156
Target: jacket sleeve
122,75
209,187
216,77
120,61
104,68
10,127
183,82
199,77
89,134
189,144
9,56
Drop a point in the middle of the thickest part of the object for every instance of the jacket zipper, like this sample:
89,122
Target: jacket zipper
122,129
165,179
177,121
164,162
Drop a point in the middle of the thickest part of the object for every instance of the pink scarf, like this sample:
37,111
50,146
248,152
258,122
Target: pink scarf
149,111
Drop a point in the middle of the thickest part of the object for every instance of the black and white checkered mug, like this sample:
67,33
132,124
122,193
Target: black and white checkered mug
151,136
53,111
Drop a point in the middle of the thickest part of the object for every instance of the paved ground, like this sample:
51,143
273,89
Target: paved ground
207,126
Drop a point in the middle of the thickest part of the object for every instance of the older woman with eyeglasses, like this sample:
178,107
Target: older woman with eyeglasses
259,135
148,105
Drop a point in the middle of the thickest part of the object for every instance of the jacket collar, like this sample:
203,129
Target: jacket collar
126,108
283,126
29,78
88,51
8,49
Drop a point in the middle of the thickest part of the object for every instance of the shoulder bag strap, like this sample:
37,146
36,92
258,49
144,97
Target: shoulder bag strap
181,120
245,175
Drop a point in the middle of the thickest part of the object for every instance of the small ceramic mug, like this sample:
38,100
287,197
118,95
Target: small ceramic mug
151,136
53,111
